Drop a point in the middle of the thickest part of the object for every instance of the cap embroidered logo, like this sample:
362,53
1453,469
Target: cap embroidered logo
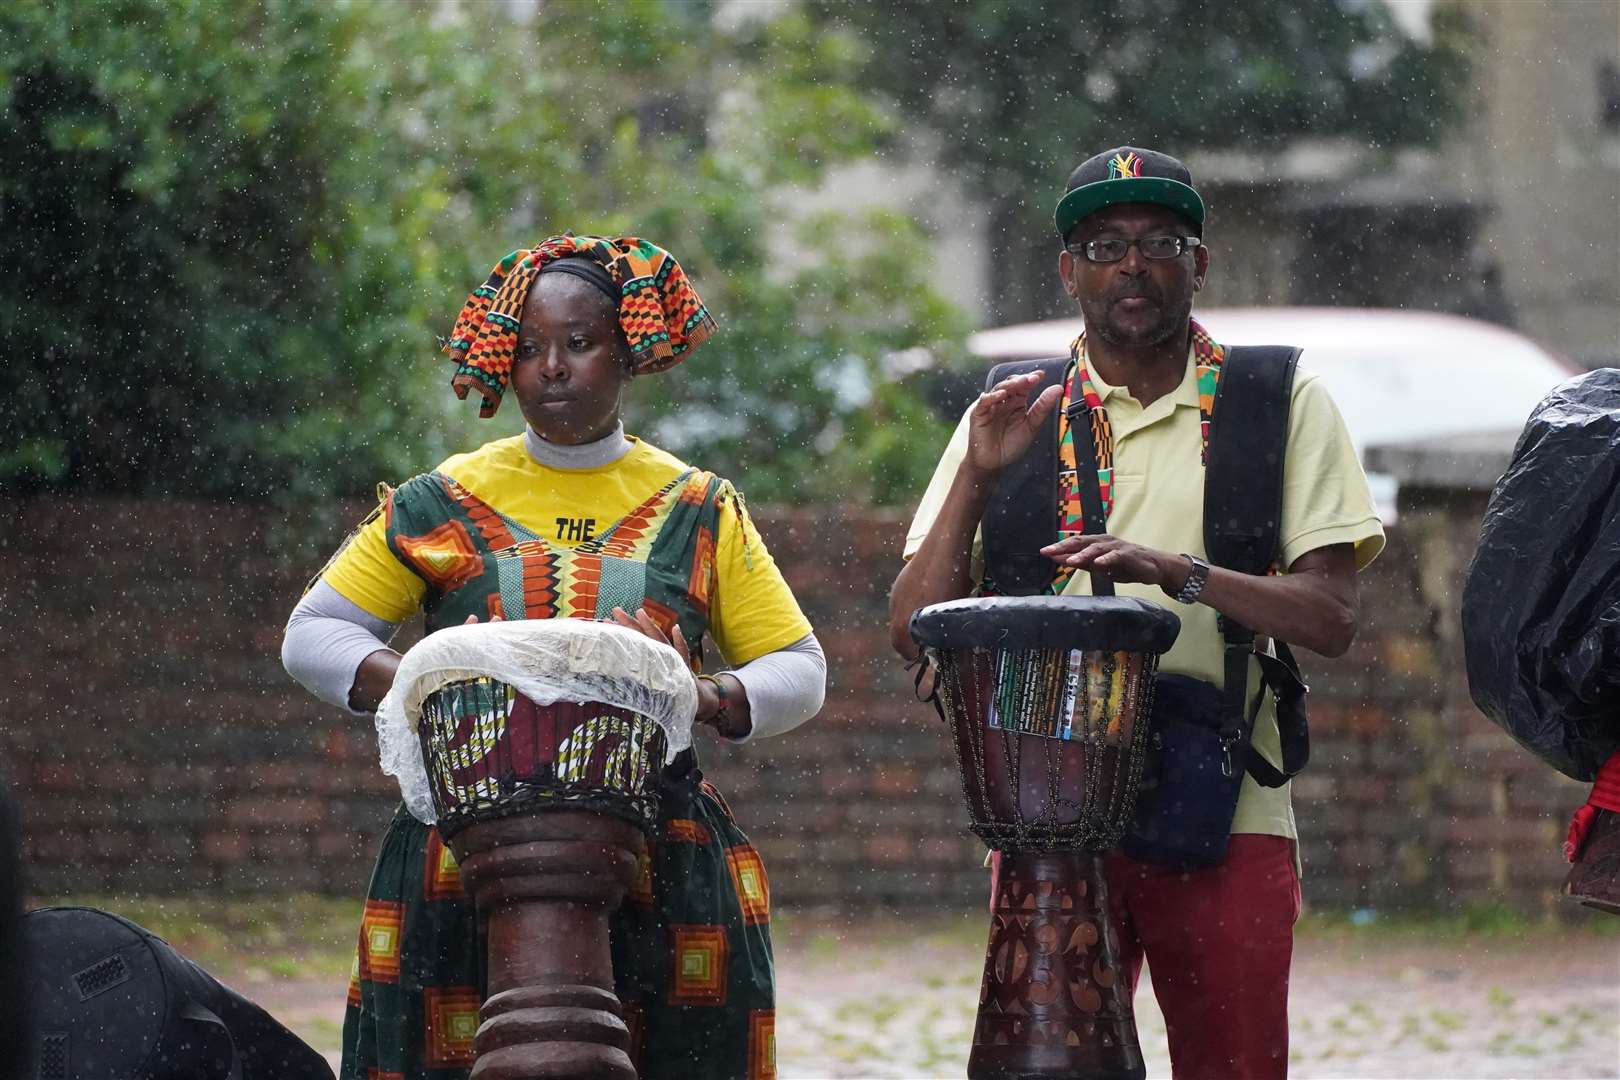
1124,165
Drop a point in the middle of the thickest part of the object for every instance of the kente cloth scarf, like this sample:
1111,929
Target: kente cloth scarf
662,316
1208,356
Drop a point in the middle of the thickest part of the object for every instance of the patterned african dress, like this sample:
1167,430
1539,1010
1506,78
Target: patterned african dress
691,945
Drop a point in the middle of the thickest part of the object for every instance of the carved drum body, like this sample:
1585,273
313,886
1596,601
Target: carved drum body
538,751
1048,700
545,808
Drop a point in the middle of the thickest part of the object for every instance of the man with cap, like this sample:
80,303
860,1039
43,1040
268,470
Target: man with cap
1219,938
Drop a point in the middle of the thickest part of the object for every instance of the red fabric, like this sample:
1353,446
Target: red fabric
1605,796
1606,788
1219,941
1579,825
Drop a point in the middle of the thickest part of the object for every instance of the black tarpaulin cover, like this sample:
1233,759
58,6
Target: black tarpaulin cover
1541,607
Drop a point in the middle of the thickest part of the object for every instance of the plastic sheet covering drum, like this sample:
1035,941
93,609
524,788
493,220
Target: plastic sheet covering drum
544,661
1541,607
1049,700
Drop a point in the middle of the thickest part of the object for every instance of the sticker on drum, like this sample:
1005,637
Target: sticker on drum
1060,694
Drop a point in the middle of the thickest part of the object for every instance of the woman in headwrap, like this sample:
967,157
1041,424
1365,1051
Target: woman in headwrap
566,326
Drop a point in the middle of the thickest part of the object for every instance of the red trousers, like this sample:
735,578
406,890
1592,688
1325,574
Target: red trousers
1219,940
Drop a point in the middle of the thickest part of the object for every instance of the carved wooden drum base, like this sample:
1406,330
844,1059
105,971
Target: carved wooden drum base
545,884
1053,1002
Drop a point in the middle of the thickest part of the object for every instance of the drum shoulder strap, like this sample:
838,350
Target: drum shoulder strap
1248,442
1243,489
1021,517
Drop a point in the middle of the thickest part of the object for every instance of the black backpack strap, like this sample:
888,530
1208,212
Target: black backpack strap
1021,516
1243,488
1282,677
1247,442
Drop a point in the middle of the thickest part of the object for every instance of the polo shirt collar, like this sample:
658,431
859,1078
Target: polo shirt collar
1185,393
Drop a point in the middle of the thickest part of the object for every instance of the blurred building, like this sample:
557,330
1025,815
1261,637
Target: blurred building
1515,218
1543,154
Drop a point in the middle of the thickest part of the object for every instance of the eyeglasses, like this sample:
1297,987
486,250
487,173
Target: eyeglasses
1151,247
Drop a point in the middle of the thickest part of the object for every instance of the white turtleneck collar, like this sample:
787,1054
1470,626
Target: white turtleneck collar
592,455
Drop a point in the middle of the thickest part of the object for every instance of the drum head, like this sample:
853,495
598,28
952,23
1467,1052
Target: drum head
1113,623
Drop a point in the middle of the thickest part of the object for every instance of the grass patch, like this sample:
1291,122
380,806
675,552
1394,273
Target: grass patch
1487,920
291,936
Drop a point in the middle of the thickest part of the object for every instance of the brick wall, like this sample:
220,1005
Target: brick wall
159,747
1414,799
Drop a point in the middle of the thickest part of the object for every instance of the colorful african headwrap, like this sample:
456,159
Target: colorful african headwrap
662,316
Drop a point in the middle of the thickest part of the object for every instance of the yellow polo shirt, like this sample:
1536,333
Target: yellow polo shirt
1159,503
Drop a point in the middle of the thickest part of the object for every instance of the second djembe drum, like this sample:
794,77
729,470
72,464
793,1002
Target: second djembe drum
535,747
1049,700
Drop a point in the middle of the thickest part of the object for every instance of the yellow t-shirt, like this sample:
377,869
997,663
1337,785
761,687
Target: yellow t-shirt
1159,503
751,612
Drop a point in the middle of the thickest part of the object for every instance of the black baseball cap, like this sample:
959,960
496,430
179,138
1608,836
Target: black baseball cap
1127,174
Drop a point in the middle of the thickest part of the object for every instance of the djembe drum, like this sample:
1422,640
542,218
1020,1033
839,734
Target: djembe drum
1049,701
537,750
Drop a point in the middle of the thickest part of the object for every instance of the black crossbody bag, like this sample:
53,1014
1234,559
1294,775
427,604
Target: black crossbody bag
1200,749
109,999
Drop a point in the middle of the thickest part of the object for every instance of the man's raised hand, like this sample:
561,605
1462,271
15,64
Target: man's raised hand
1004,421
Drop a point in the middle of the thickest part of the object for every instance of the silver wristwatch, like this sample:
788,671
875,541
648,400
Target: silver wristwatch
1195,580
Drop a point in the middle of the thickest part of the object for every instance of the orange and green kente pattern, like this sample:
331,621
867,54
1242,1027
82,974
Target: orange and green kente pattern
661,314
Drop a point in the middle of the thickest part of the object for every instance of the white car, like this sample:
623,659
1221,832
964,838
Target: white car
1399,377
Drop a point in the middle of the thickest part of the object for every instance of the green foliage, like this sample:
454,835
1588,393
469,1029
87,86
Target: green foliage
194,291
1020,91
230,230
1017,92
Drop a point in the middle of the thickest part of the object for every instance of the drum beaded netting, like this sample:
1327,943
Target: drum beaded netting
1093,702
479,744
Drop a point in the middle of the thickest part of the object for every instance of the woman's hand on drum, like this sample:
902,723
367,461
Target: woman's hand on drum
730,716
1004,421
474,618
1119,560
643,622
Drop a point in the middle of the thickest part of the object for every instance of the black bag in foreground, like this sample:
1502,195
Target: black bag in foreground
1541,606
111,1001
13,1018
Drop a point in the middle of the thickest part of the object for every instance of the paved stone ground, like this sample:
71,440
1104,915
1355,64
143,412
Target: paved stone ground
1361,1005
896,1000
